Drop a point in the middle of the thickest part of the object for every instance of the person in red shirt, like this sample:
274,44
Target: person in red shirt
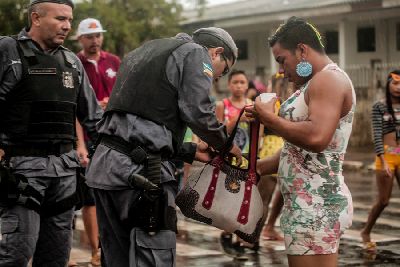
101,68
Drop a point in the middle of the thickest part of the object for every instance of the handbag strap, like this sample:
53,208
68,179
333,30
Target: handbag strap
254,131
229,142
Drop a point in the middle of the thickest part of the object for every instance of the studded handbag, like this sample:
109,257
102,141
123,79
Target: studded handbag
226,196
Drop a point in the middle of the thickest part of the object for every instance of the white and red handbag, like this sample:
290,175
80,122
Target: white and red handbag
226,196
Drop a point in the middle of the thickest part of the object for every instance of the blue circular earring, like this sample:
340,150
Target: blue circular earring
304,68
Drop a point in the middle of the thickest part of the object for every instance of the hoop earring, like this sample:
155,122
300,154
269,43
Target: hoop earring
304,68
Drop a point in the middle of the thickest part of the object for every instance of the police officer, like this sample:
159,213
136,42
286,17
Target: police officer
162,87
43,88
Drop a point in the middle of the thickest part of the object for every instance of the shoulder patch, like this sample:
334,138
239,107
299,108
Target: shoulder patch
70,57
207,70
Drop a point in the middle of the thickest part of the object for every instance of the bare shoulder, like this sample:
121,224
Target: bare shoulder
334,88
331,83
219,104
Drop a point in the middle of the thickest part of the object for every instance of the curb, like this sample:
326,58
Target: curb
352,165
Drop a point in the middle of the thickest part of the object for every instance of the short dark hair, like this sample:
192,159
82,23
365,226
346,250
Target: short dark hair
387,92
66,2
295,31
236,72
35,8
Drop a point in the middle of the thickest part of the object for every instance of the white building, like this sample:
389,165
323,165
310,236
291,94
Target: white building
360,34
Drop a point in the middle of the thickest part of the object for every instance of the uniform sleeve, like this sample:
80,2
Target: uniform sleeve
88,110
377,124
10,67
191,73
187,152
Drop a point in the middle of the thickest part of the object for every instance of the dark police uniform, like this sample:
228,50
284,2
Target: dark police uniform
161,88
41,95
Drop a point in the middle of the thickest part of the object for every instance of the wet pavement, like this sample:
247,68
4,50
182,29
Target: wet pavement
198,244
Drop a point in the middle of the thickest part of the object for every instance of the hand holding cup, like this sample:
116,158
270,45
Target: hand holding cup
264,105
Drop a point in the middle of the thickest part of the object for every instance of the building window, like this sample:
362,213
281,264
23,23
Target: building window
366,39
398,36
242,49
332,42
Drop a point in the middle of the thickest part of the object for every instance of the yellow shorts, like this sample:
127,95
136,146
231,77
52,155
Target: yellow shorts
271,144
392,157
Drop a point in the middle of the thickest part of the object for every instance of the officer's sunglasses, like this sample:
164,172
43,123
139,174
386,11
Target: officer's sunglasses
226,70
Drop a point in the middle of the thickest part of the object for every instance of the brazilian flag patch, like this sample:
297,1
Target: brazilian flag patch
207,69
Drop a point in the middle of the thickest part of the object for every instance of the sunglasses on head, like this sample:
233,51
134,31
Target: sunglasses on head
395,76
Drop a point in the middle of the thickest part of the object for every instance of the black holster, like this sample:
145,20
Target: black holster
14,188
152,199
152,212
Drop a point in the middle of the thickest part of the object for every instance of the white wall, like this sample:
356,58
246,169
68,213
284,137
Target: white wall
259,51
393,54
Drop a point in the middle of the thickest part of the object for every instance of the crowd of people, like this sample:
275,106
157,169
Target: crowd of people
122,124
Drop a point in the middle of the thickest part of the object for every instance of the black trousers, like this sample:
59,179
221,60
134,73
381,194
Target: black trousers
123,243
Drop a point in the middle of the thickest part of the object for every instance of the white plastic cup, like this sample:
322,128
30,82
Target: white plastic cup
266,97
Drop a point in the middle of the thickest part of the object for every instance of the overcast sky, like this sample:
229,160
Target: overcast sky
216,2
210,2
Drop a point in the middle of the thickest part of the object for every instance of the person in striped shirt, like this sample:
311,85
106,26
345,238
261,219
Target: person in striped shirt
386,133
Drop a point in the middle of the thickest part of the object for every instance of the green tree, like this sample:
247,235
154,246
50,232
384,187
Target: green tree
128,22
199,5
12,16
131,22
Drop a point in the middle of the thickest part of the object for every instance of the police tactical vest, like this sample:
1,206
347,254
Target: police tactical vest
142,87
42,108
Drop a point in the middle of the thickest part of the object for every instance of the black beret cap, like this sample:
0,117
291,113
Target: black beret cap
65,2
215,37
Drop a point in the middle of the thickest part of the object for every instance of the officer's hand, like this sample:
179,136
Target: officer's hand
203,152
203,156
2,153
82,155
103,103
237,153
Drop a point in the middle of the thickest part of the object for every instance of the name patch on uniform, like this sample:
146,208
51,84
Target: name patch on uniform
40,71
68,80
207,69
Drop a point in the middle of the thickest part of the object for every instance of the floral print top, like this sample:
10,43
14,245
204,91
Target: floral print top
318,204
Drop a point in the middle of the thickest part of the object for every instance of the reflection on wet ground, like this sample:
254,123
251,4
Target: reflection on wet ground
198,244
